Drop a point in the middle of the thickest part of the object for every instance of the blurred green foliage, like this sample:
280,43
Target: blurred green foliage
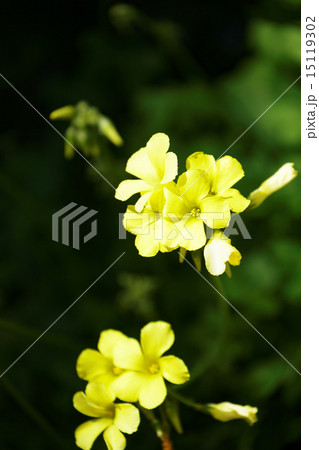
202,74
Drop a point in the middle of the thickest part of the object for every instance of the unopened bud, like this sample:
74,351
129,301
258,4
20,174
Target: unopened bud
107,128
278,180
227,411
64,113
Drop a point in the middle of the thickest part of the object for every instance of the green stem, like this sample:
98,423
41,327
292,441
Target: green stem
185,400
224,317
33,413
161,428
166,426
219,344
156,424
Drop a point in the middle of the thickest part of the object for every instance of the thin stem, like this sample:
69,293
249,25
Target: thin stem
185,400
166,426
224,317
161,428
167,444
220,342
156,424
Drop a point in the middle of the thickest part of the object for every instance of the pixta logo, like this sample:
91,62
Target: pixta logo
69,220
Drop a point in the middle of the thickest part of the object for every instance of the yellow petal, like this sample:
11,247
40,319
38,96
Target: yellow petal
157,147
141,166
237,202
127,387
128,355
151,229
195,237
162,229
193,186
91,364
137,223
127,188
174,369
170,168
127,418
181,229
156,339
166,249
218,251
141,202
99,394
215,211
157,199
200,160
175,205
86,434
171,237
283,176
153,392
227,172
226,411
86,406
114,439
108,340
147,245
234,257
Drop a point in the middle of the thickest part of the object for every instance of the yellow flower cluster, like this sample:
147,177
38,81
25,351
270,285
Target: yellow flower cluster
171,215
130,371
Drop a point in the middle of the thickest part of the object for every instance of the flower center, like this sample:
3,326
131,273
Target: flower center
117,370
195,212
154,368
110,413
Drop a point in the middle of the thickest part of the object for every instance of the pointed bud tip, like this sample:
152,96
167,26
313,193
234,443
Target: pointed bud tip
64,113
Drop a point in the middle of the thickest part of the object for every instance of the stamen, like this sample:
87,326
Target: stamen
195,212
110,413
154,368
117,370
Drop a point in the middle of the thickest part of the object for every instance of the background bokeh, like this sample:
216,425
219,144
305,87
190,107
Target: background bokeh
201,72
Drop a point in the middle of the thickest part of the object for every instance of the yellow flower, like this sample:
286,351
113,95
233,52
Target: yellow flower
98,366
153,165
146,367
190,207
218,252
279,179
111,419
227,411
150,226
222,174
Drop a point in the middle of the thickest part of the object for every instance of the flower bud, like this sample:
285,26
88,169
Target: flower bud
279,179
227,411
107,128
64,113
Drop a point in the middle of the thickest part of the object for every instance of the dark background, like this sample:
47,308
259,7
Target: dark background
201,72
